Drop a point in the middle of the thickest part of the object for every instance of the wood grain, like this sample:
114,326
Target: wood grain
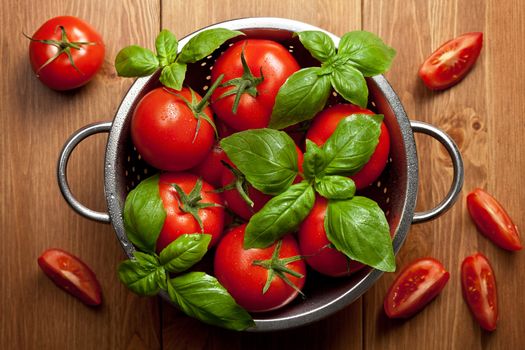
483,114
35,122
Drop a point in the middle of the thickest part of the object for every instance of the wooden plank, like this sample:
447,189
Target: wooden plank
478,116
342,330
34,124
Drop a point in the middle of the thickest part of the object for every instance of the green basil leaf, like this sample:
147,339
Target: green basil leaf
369,54
266,157
358,228
204,43
166,45
301,96
319,44
352,143
281,214
350,84
315,160
144,214
335,187
144,275
136,61
173,75
184,252
201,296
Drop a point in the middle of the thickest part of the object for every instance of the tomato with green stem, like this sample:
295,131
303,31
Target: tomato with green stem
325,123
254,70
259,279
66,52
173,130
191,205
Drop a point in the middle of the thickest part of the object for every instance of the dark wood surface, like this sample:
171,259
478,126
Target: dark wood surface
484,115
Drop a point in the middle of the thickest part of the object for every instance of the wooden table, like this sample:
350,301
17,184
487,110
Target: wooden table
484,114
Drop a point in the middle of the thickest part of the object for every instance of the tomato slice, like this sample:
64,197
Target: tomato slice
451,61
418,283
492,220
71,274
479,290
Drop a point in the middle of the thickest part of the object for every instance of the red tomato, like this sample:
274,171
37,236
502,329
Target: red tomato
245,272
180,220
492,220
235,202
164,130
210,169
479,290
82,41
255,106
451,61
71,274
416,285
315,246
325,123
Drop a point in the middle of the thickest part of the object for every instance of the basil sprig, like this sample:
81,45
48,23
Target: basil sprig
358,228
253,152
144,214
201,296
282,214
197,294
357,231
360,54
137,61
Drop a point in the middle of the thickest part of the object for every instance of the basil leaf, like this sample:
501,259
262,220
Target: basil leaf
144,214
358,228
266,157
144,275
204,43
335,187
352,143
184,252
136,61
314,161
280,215
319,44
201,296
166,45
173,75
350,84
301,96
369,54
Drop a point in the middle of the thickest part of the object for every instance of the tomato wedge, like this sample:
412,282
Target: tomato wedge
451,61
479,290
71,274
492,220
418,283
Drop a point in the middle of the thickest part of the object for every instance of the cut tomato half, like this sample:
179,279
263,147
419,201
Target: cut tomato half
418,283
71,274
451,61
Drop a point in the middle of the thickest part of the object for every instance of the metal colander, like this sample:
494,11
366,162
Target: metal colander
395,191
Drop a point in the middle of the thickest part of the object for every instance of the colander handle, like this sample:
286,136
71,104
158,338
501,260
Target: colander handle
69,146
457,163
